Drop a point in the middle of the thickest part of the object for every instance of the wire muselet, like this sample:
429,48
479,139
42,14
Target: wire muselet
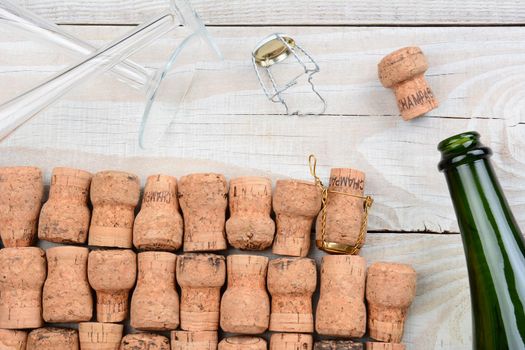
275,49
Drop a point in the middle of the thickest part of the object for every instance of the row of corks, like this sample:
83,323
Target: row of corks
66,216
28,297
51,338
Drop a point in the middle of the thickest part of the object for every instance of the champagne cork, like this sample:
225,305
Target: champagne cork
291,282
12,340
22,275
200,277
100,336
344,211
250,225
21,192
390,289
203,199
403,70
291,341
338,345
190,340
158,225
243,343
146,341
296,203
65,216
50,338
155,302
384,346
114,195
245,306
341,309
112,273
67,295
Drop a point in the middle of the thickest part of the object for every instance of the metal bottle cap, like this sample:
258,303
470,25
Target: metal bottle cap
272,50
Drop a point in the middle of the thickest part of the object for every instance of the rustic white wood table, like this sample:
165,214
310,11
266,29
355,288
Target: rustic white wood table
476,51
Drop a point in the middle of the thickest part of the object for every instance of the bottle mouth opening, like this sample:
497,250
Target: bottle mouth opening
460,149
459,143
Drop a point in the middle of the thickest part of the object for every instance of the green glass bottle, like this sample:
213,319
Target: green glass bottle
493,243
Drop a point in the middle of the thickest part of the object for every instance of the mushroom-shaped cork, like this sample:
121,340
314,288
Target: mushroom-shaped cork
158,225
403,70
114,195
250,225
291,282
200,277
390,289
22,275
51,338
112,273
296,204
203,199
65,216
245,306
21,192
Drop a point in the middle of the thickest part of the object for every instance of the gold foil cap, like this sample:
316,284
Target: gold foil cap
273,49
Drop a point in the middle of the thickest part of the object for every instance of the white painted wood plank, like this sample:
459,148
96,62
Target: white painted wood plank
476,73
278,12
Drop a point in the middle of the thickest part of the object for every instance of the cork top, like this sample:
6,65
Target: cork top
112,269
384,346
203,190
148,341
201,270
291,341
29,187
12,339
92,331
194,337
255,191
251,180
343,265
160,257
67,253
247,264
51,335
160,191
115,187
292,276
244,341
391,284
401,65
22,267
297,197
29,171
347,180
70,177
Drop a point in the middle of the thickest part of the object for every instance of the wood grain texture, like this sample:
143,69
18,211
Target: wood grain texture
476,73
276,12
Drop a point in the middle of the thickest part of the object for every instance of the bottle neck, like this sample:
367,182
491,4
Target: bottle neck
493,243
475,190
